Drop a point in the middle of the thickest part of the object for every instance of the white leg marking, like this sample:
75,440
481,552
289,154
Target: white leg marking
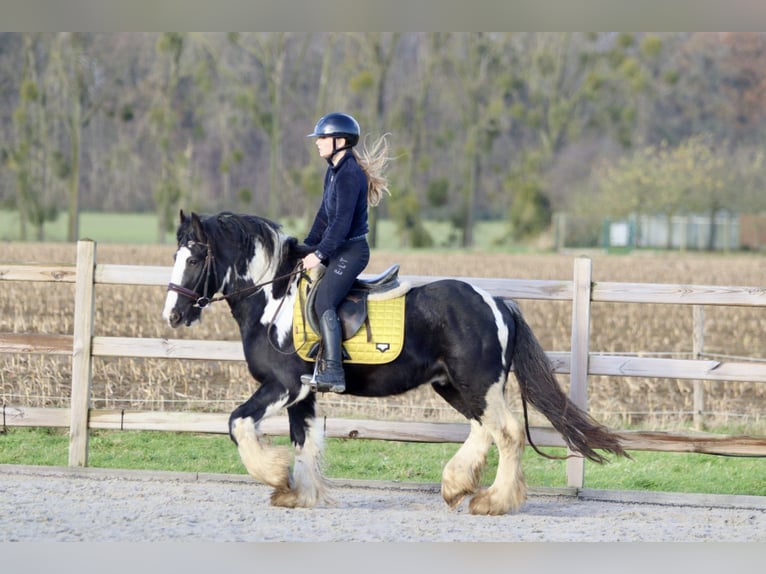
462,474
266,464
308,485
508,492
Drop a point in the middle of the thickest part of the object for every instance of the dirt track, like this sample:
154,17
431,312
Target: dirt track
94,505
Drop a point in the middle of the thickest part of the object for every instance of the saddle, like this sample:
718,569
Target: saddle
376,302
352,312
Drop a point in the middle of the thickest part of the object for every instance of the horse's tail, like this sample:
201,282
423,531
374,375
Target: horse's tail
540,388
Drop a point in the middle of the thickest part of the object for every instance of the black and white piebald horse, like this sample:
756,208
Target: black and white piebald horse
458,339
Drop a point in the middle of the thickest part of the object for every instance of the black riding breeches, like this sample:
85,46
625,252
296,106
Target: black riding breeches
342,269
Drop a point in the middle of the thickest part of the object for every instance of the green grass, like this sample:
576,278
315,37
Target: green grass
131,228
141,228
390,461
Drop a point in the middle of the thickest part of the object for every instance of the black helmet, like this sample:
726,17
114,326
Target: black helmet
337,125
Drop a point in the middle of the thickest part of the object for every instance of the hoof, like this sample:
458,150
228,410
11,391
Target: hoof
286,498
489,502
454,498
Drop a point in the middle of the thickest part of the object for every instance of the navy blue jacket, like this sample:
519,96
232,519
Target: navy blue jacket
342,215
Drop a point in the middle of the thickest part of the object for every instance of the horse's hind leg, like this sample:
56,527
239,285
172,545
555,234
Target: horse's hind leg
462,474
508,492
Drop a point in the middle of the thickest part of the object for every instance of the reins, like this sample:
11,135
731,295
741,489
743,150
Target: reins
203,300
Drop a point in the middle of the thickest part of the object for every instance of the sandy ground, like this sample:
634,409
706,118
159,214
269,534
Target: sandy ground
43,504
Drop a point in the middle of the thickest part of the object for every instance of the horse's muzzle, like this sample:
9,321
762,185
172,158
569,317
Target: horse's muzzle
174,319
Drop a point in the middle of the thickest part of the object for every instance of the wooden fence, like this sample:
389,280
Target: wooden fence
579,363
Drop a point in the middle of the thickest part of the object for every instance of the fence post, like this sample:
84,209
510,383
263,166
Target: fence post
698,346
81,352
578,387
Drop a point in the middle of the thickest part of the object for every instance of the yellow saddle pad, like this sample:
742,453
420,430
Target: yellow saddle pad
386,332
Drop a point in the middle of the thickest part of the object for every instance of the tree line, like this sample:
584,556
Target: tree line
510,126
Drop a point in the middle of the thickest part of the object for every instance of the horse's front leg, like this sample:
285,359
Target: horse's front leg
265,463
308,486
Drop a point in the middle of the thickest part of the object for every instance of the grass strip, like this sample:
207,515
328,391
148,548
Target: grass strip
383,460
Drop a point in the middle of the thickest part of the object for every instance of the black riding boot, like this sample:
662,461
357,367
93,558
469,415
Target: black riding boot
329,377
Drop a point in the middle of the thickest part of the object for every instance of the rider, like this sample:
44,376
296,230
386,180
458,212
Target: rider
353,181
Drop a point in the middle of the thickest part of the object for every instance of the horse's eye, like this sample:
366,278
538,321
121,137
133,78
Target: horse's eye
191,261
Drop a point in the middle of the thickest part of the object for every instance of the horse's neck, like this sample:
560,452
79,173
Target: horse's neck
263,310
273,303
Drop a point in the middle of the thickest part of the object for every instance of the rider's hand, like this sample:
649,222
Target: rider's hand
311,261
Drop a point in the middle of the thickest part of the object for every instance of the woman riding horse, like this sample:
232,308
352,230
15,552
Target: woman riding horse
457,338
338,236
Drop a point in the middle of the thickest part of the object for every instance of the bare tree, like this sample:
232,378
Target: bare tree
77,76
475,67
377,52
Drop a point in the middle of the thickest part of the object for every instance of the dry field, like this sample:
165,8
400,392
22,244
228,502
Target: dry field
664,330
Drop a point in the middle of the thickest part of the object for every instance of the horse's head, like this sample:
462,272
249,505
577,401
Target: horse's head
195,278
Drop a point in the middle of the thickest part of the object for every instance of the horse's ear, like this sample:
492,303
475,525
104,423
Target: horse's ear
181,215
198,229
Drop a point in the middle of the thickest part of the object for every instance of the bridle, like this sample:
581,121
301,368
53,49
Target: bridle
202,300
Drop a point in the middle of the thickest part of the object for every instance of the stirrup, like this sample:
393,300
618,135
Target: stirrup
319,387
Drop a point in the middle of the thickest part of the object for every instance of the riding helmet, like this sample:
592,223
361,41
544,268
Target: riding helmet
337,125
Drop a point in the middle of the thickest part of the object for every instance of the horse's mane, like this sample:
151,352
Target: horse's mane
234,236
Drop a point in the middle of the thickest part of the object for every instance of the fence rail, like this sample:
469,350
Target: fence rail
579,363
216,423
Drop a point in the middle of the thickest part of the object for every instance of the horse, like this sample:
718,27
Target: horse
457,338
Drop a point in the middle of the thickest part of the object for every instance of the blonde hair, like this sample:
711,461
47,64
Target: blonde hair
373,162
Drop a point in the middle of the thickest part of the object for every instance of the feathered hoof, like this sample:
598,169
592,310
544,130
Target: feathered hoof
490,502
456,486
270,466
297,497
289,498
453,498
